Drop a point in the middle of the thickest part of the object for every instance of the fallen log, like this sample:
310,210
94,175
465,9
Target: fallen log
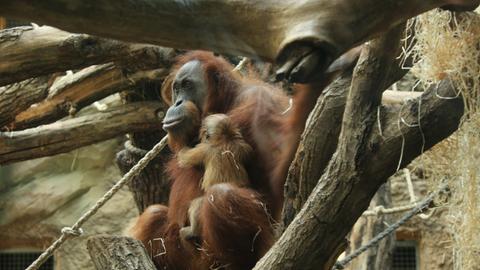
69,134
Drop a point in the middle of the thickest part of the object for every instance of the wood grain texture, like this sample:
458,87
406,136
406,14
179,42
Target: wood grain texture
239,27
118,253
28,52
82,89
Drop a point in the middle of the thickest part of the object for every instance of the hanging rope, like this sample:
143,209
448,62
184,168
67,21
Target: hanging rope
374,241
76,230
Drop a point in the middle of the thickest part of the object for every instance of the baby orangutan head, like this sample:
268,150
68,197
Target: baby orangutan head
218,128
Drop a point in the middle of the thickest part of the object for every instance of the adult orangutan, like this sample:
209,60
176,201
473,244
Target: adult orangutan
236,227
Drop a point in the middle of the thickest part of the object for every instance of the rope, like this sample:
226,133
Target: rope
374,241
241,64
379,210
76,230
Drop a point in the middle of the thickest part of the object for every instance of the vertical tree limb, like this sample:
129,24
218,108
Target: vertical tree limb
309,241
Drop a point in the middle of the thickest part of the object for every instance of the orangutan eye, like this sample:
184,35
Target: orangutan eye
187,84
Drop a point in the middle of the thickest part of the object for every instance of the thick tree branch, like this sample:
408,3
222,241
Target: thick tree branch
316,148
80,90
316,235
250,28
64,136
31,52
19,96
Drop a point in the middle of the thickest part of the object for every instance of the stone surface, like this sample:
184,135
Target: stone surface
39,197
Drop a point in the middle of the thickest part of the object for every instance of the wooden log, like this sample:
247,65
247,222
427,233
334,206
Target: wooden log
80,90
242,27
119,253
362,163
66,135
28,52
17,97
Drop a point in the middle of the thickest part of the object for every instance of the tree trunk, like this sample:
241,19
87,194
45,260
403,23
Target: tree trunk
29,52
365,158
119,253
316,148
64,136
241,27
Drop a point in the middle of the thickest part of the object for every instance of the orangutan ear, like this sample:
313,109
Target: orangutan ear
166,90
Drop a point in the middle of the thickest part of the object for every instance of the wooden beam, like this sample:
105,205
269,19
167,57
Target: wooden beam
117,252
251,28
69,134
28,52
82,89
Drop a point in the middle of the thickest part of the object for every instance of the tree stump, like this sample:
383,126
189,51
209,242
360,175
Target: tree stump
119,253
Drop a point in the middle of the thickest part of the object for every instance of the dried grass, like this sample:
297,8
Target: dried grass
448,46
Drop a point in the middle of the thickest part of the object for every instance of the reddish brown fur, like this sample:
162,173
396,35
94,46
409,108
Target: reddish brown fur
233,219
226,207
222,152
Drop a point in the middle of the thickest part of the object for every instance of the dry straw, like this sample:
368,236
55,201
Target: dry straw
447,45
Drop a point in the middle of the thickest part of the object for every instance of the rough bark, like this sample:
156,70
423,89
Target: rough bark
64,136
17,97
362,162
29,52
80,90
120,253
242,27
316,148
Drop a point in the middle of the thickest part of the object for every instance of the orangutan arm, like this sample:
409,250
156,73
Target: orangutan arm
190,157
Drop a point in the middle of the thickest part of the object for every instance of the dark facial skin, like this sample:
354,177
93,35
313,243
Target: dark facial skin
188,88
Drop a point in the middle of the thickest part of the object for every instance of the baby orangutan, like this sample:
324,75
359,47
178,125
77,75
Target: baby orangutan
223,152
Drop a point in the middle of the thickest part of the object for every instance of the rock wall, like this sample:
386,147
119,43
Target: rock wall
428,230
39,197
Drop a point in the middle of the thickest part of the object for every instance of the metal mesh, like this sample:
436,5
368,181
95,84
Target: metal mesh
21,260
404,257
